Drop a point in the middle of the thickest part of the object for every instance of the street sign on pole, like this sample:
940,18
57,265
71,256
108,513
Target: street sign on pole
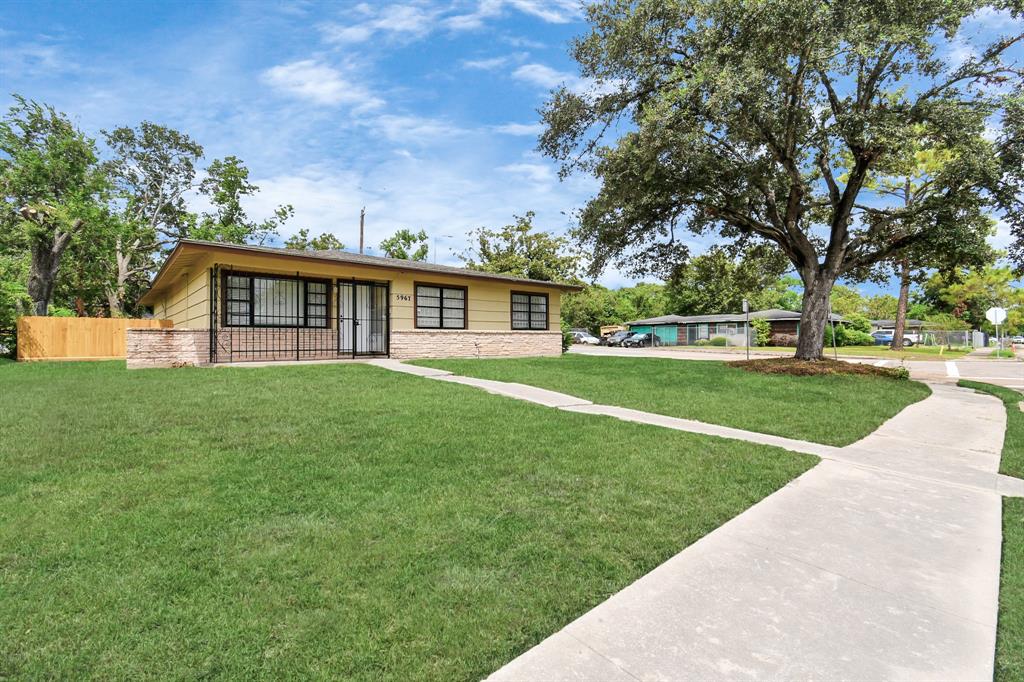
996,315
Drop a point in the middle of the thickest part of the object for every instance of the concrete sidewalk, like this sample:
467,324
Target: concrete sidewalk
848,572
880,563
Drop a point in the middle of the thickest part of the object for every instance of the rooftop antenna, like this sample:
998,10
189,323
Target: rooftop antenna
362,221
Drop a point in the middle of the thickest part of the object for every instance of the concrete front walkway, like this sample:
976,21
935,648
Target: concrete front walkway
880,563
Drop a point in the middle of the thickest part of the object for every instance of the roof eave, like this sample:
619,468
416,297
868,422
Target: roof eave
243,248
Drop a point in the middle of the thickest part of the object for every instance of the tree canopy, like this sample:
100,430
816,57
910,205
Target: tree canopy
401,245
83,226
301,241
763,122
716,282
518,249
52,188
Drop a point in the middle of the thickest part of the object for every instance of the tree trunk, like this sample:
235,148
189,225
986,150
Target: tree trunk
114,297
814,316
901,306
46,255
42,273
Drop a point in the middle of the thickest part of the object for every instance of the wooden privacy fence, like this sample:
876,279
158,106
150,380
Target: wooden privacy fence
77,338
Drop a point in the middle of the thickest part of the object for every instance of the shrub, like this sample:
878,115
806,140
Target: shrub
566,337
784,340
854,337
846,336
857,322
703,342
901,373
719,341
762,329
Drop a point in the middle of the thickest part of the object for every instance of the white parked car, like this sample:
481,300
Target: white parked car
585,338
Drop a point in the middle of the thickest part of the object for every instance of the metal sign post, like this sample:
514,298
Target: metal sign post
746,313
996,316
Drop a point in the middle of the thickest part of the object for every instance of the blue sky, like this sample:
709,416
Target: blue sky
424,111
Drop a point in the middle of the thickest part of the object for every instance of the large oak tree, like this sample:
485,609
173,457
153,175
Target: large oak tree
762,121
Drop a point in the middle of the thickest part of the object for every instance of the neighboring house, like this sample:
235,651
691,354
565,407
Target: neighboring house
232,303
687,330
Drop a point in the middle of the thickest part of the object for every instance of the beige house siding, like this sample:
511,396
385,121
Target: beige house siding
187,302
489,303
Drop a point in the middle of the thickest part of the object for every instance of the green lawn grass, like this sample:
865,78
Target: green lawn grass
333,521
1010,635
1012,462
911,353
835,410
1001,354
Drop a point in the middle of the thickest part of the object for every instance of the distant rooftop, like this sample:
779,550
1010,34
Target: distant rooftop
773,314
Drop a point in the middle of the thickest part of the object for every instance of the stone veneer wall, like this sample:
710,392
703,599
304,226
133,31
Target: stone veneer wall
167,347
430,343
188,347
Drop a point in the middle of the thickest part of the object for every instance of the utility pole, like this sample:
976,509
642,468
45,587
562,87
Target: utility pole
362,221
434,247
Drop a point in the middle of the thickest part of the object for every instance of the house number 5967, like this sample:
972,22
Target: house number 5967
403,297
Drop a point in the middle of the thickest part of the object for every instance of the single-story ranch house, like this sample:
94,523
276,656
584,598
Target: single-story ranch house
687,330
234,303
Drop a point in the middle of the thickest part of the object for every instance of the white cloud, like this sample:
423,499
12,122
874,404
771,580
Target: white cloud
523,129
544,76
551,11
400,22
317,82
485,64
519,41
534,172
1001,239
407,128
413,21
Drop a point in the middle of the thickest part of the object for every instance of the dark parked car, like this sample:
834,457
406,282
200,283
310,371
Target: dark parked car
617,338
646,340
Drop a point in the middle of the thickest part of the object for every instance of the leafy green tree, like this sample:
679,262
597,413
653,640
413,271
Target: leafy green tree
716,282
301,241
846,300
915,178
981,289
641,301
1011,141
762,329
520,250
225,185
782,294
14,298
51,185
764,121
881,307
591,308
401,245
152,168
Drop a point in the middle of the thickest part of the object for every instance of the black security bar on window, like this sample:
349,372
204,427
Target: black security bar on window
529,311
